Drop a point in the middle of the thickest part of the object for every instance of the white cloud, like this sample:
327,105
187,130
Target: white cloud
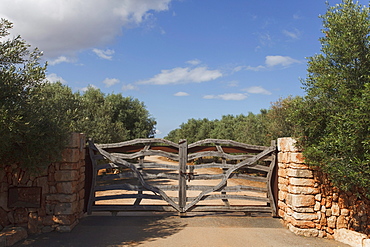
270,61
110,82
84,89
183,75
62,27
257,90
232,83
194,62
128,87
279,60
61,59
55,78
251,68
181,94
292,34
107,54
158,132
227,96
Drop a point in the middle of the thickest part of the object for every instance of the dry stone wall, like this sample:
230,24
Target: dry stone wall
311,206
62,192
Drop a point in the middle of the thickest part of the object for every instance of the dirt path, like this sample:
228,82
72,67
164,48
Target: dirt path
170,231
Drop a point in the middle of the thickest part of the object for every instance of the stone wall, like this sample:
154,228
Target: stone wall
62,192
311,206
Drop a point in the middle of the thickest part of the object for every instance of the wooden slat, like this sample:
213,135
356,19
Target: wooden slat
144,165
197,208
234,175
226,142
204,208
131,187
259,168
223,166
230,196
211,165
138,148
137,142
248,177
145,175
216,154
133,208
237,188
128,196
147,153
158,165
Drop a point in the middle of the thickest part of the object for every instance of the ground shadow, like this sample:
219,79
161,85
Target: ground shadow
110,231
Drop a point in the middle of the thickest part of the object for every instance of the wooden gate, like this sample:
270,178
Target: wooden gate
159,175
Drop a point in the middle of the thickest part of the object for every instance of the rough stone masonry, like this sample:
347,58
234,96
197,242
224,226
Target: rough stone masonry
62,194
311,206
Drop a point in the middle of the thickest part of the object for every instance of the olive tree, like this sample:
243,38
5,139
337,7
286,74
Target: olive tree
334,116
26,128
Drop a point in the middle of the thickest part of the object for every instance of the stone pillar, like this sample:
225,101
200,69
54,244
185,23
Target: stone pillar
66,199
297,190
310,205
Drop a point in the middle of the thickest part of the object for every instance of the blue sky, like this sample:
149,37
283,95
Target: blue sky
183,58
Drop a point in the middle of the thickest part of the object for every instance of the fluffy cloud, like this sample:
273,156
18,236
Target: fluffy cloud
128,87
110,82
62,27
61,59
257,90
194,62
107,54
227,96
272,61
55,78
183,75
181,94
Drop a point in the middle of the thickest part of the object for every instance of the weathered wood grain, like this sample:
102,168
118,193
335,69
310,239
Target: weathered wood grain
133,208
147,153
238,188
203,208
138,141
128,196
230,196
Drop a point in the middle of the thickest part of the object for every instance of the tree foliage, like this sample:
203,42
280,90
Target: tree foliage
256,129
36,116
113,118
25,126
334,116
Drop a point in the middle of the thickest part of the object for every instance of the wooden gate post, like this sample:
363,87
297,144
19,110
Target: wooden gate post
183,153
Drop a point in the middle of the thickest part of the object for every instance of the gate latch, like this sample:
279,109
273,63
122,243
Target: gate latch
189,175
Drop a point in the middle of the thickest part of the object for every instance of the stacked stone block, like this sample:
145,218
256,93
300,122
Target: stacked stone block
311,206
62,196
297,190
